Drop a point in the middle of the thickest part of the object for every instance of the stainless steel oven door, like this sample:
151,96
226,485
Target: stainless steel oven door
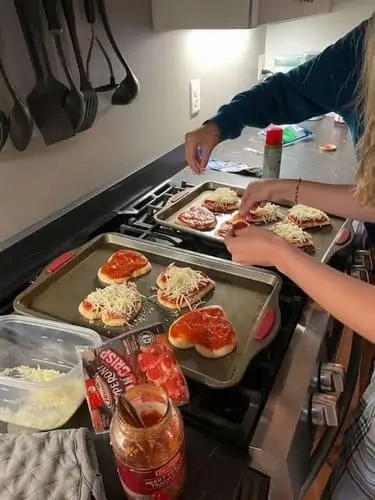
310,392
334,419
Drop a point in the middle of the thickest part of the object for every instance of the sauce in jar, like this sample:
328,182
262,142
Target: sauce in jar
151,459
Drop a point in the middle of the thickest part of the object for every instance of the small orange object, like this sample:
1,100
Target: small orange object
239,222
328,148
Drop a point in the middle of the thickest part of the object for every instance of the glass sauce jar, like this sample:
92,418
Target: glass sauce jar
151,460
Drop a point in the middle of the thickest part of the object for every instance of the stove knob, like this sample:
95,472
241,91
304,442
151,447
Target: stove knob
331,377
363,258
324,410
361,273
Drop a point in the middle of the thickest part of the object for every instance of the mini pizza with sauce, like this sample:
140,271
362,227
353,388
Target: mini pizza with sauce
114,305
199,218
307,217
225,229
260,215
222,200
180,287
293,233
207,329
122,266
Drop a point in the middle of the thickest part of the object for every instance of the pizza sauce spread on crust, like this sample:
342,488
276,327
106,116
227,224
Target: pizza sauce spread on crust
199,218
208,327
310,220
123,264
222,200
225,229
302,215
181,285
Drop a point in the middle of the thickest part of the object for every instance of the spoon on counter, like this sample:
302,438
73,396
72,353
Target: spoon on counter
19,122
4,129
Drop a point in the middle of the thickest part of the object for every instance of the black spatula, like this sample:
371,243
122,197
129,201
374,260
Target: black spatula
46,100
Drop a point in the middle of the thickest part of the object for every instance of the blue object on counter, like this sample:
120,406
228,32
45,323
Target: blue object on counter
292,134
233,167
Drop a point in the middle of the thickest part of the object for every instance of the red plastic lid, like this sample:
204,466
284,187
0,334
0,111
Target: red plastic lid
274,136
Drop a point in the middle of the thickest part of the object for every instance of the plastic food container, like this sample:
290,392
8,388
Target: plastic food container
45,345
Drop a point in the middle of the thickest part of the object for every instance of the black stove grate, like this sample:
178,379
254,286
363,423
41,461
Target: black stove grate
230,414
137,220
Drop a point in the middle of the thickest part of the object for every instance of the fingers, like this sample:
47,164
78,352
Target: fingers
242,230
205,153
191,153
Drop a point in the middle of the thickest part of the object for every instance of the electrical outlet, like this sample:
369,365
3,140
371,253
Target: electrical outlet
195,96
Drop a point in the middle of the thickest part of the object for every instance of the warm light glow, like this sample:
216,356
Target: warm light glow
212,48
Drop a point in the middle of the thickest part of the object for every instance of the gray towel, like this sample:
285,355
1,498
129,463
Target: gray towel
56,465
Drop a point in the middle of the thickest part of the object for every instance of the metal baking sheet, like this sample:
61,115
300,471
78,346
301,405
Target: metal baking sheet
245,293
323,237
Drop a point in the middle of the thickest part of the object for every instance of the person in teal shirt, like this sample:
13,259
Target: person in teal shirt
340,79
323,84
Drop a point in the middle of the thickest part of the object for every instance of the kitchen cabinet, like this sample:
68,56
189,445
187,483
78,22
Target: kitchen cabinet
269,11
201,14
230,14
317,7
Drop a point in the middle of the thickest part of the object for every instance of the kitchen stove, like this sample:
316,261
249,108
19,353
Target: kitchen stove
274,411
230,414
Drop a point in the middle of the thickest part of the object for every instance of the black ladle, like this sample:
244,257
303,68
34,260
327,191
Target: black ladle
4,129
128,89
19,123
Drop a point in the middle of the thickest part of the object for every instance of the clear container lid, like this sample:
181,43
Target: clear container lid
34,342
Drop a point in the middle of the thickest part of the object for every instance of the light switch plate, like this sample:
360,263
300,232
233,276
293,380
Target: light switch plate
195,96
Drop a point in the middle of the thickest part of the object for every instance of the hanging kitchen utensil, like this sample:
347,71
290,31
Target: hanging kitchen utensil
89,94
128,89
112,85
19,120
90,12
74,103
3,129
89,7
46,100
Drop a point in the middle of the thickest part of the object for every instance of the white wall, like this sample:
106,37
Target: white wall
43,180
314,33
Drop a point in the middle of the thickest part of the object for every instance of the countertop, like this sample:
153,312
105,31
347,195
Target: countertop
303,159
215,470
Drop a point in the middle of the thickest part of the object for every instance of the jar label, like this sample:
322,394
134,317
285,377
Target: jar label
158,484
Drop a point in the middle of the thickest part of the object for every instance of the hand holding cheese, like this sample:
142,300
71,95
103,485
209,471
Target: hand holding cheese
258,193
255,246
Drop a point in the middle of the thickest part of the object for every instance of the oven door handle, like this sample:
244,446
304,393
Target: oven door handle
328,439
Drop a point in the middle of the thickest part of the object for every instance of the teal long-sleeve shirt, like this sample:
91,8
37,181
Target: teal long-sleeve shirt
325,83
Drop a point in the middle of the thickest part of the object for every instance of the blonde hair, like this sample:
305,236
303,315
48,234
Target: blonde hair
365,188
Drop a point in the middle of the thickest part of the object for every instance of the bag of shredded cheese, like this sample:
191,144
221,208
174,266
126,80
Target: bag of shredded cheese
137,357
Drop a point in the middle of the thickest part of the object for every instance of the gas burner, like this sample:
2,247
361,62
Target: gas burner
138,221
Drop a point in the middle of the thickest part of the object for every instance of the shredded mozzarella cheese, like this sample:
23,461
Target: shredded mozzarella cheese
223,195
181,282
292,233
32,374
120,299
303,212
270,211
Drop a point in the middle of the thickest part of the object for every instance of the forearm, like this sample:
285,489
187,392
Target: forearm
349,300
336,200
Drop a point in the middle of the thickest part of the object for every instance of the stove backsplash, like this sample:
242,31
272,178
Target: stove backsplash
47,179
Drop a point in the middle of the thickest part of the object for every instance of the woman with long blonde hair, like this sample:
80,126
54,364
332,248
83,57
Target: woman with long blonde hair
349,300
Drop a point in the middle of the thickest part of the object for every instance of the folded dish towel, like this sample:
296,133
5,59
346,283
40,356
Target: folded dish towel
56,465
